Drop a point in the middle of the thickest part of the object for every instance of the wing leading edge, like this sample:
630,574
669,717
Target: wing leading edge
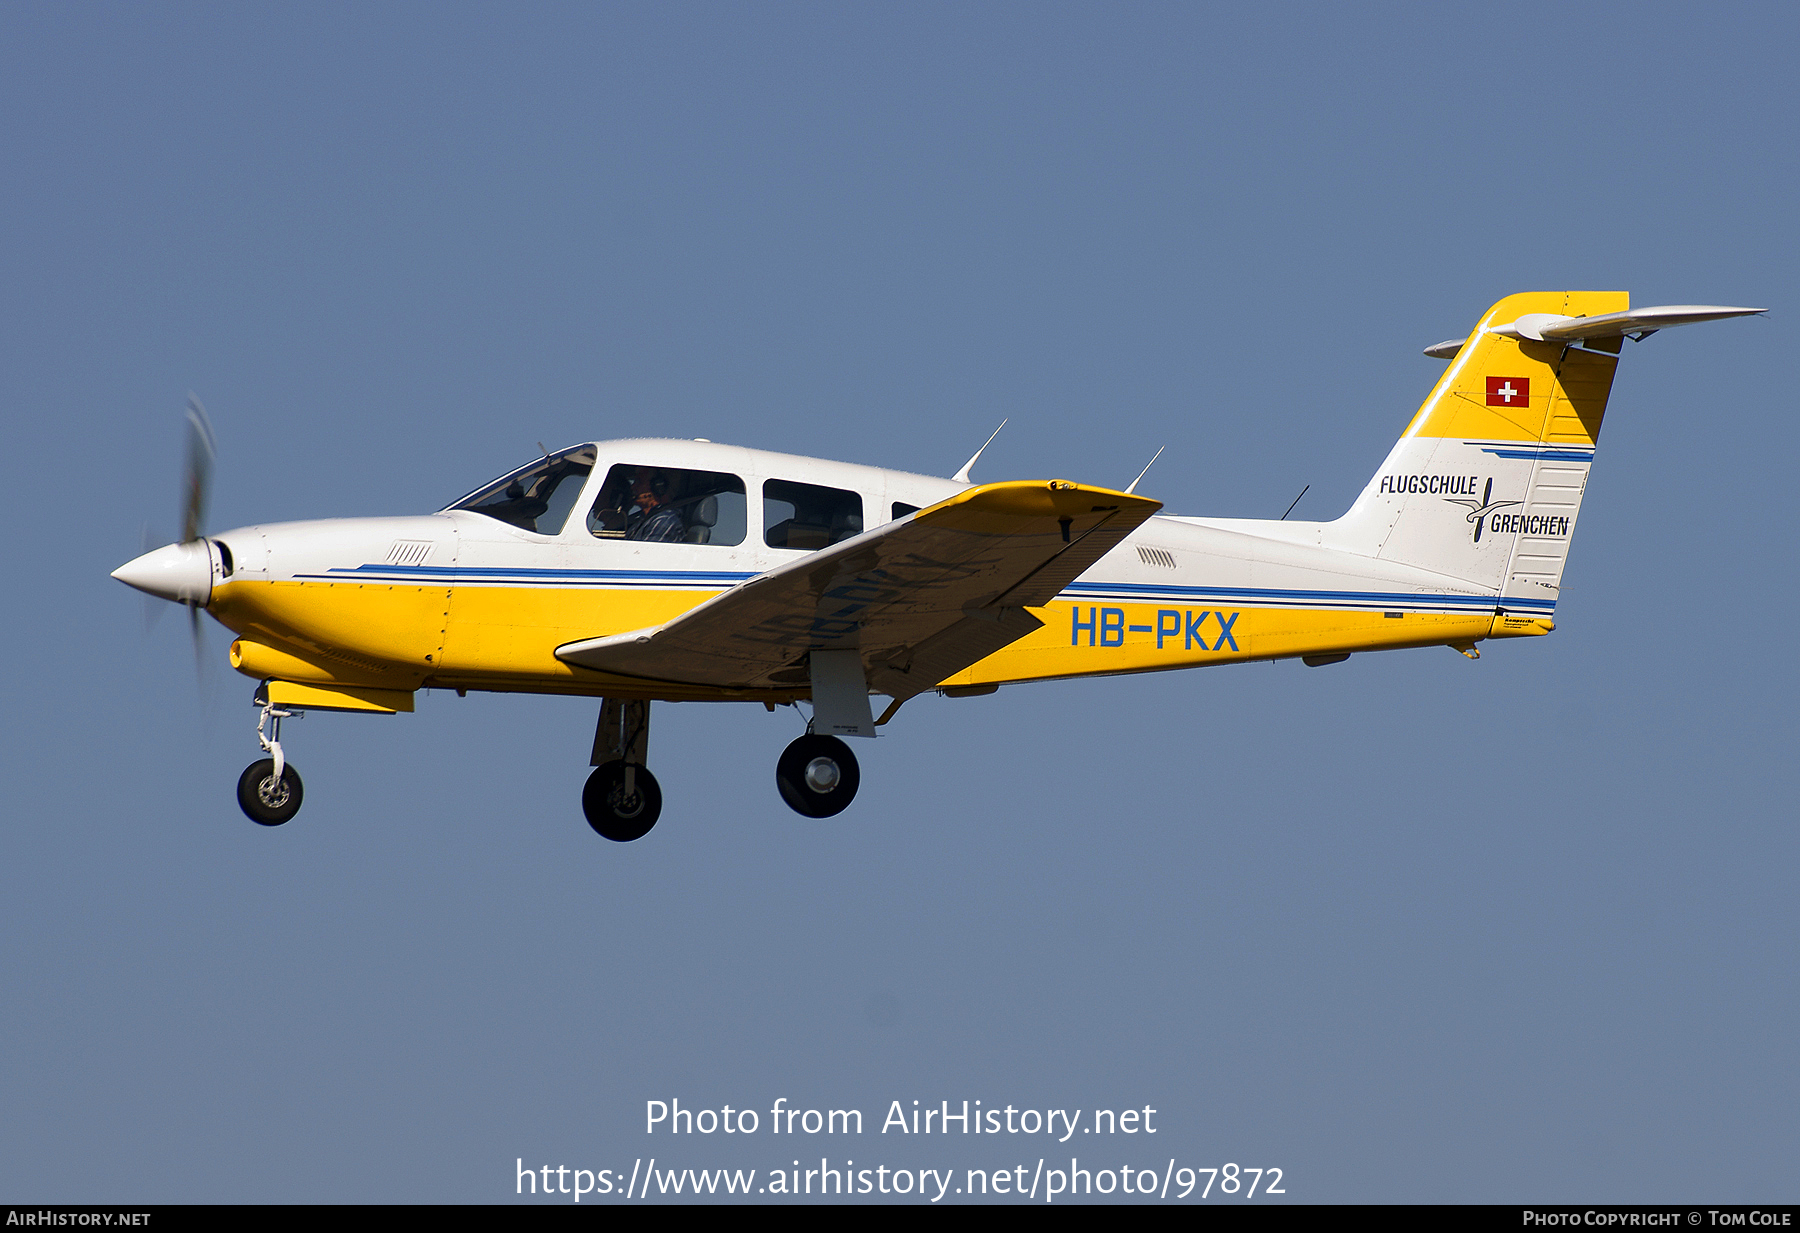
919,598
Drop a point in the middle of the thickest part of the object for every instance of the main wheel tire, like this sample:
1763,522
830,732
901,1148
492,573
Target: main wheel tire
265,800
612,813
818,776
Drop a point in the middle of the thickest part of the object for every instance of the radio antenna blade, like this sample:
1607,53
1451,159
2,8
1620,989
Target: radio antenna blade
1146,470
962,476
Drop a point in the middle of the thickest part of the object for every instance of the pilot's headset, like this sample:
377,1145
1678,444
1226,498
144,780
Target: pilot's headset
659,485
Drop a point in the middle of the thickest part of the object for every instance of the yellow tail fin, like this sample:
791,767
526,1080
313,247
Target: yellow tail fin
1501,388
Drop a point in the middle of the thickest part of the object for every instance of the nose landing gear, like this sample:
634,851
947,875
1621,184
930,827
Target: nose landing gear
269,797
269,791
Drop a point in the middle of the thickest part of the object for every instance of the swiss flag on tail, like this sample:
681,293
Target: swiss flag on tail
1508,391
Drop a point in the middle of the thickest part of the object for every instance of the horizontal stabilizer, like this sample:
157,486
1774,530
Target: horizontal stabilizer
1549,327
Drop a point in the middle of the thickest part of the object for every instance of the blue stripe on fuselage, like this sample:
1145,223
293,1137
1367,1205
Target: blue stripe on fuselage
1147,593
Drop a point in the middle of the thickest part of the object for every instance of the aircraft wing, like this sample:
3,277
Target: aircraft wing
920,598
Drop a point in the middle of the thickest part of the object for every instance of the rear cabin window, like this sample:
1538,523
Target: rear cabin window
807,516
902,509
536,497
669,505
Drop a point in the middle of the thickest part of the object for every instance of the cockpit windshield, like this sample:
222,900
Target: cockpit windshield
537,497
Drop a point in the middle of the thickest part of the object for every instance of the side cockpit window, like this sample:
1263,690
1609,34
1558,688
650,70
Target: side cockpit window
669,505
808,516
536,497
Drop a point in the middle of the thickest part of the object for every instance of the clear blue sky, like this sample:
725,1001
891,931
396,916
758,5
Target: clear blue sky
1409,928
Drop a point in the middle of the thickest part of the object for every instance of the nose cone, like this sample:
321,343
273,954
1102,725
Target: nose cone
181,572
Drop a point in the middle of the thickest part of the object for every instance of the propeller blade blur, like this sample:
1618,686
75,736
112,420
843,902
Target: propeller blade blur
196,481
199,643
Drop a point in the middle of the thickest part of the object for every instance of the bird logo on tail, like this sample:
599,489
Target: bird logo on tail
1479,510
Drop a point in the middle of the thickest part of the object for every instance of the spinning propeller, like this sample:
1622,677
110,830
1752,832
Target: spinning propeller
182,572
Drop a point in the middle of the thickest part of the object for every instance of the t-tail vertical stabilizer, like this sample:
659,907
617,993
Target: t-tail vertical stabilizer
1486,483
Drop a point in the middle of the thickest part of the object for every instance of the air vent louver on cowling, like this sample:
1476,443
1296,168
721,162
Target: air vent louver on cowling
1156,556
409,552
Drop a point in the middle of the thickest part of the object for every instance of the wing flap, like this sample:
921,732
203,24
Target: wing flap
913,670
920,598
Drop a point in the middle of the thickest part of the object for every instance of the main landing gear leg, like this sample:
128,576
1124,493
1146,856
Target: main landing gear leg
817,774
269,790
622,799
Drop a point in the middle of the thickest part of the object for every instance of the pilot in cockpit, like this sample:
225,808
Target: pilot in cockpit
651,518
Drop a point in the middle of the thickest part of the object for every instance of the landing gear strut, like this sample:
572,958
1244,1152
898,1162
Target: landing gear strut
622,799
269,790
818,776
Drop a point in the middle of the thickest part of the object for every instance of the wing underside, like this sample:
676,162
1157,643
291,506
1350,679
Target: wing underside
919,598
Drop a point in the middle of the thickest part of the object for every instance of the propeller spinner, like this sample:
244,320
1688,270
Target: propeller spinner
182,572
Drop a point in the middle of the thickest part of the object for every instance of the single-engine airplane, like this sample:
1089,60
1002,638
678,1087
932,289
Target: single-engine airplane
644,570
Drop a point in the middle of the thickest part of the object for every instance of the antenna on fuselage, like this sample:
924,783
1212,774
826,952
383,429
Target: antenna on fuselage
1146,470
1290,508
962,476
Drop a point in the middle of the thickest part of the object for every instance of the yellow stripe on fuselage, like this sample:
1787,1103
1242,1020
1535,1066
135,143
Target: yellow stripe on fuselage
357,633
474,637
1086,639
504,638
513,632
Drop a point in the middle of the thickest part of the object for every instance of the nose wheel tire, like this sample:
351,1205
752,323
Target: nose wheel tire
614,812
818,776
265,800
